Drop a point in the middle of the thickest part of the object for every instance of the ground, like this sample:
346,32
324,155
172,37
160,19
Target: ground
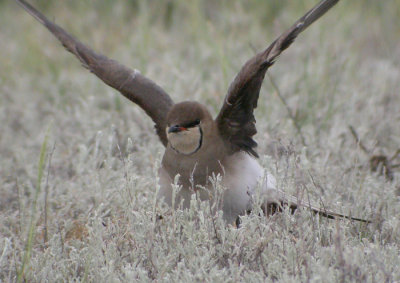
78,166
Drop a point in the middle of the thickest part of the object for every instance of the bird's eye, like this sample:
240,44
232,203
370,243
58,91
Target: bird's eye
192,124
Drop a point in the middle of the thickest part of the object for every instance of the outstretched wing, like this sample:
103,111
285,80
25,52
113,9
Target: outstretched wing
236,121
137,88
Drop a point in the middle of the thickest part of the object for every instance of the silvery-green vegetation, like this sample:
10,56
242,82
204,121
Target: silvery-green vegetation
78,162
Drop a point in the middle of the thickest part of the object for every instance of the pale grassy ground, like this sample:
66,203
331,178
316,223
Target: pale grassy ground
102,154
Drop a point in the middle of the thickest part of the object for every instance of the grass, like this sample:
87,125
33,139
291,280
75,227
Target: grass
99,210
32,224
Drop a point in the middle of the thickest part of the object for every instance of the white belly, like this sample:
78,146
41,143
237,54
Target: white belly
242,174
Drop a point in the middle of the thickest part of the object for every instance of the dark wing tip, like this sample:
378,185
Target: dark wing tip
32,11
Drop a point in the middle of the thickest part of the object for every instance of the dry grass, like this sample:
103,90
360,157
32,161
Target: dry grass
96,212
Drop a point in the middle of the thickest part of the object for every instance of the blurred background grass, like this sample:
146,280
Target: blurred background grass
344,70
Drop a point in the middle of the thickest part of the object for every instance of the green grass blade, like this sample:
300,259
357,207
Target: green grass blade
31,233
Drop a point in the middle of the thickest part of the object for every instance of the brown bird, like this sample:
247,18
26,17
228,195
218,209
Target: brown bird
198,146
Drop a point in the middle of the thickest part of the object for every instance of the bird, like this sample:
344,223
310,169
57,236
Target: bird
197,146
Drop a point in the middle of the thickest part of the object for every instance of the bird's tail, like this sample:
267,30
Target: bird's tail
278,200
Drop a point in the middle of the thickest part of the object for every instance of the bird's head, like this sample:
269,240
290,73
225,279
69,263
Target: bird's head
186,124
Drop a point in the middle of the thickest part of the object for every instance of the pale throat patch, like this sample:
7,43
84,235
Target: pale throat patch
187,141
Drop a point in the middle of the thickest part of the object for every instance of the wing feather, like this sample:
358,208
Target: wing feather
236,122
137,88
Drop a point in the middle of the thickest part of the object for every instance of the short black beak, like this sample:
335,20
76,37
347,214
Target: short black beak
175,129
